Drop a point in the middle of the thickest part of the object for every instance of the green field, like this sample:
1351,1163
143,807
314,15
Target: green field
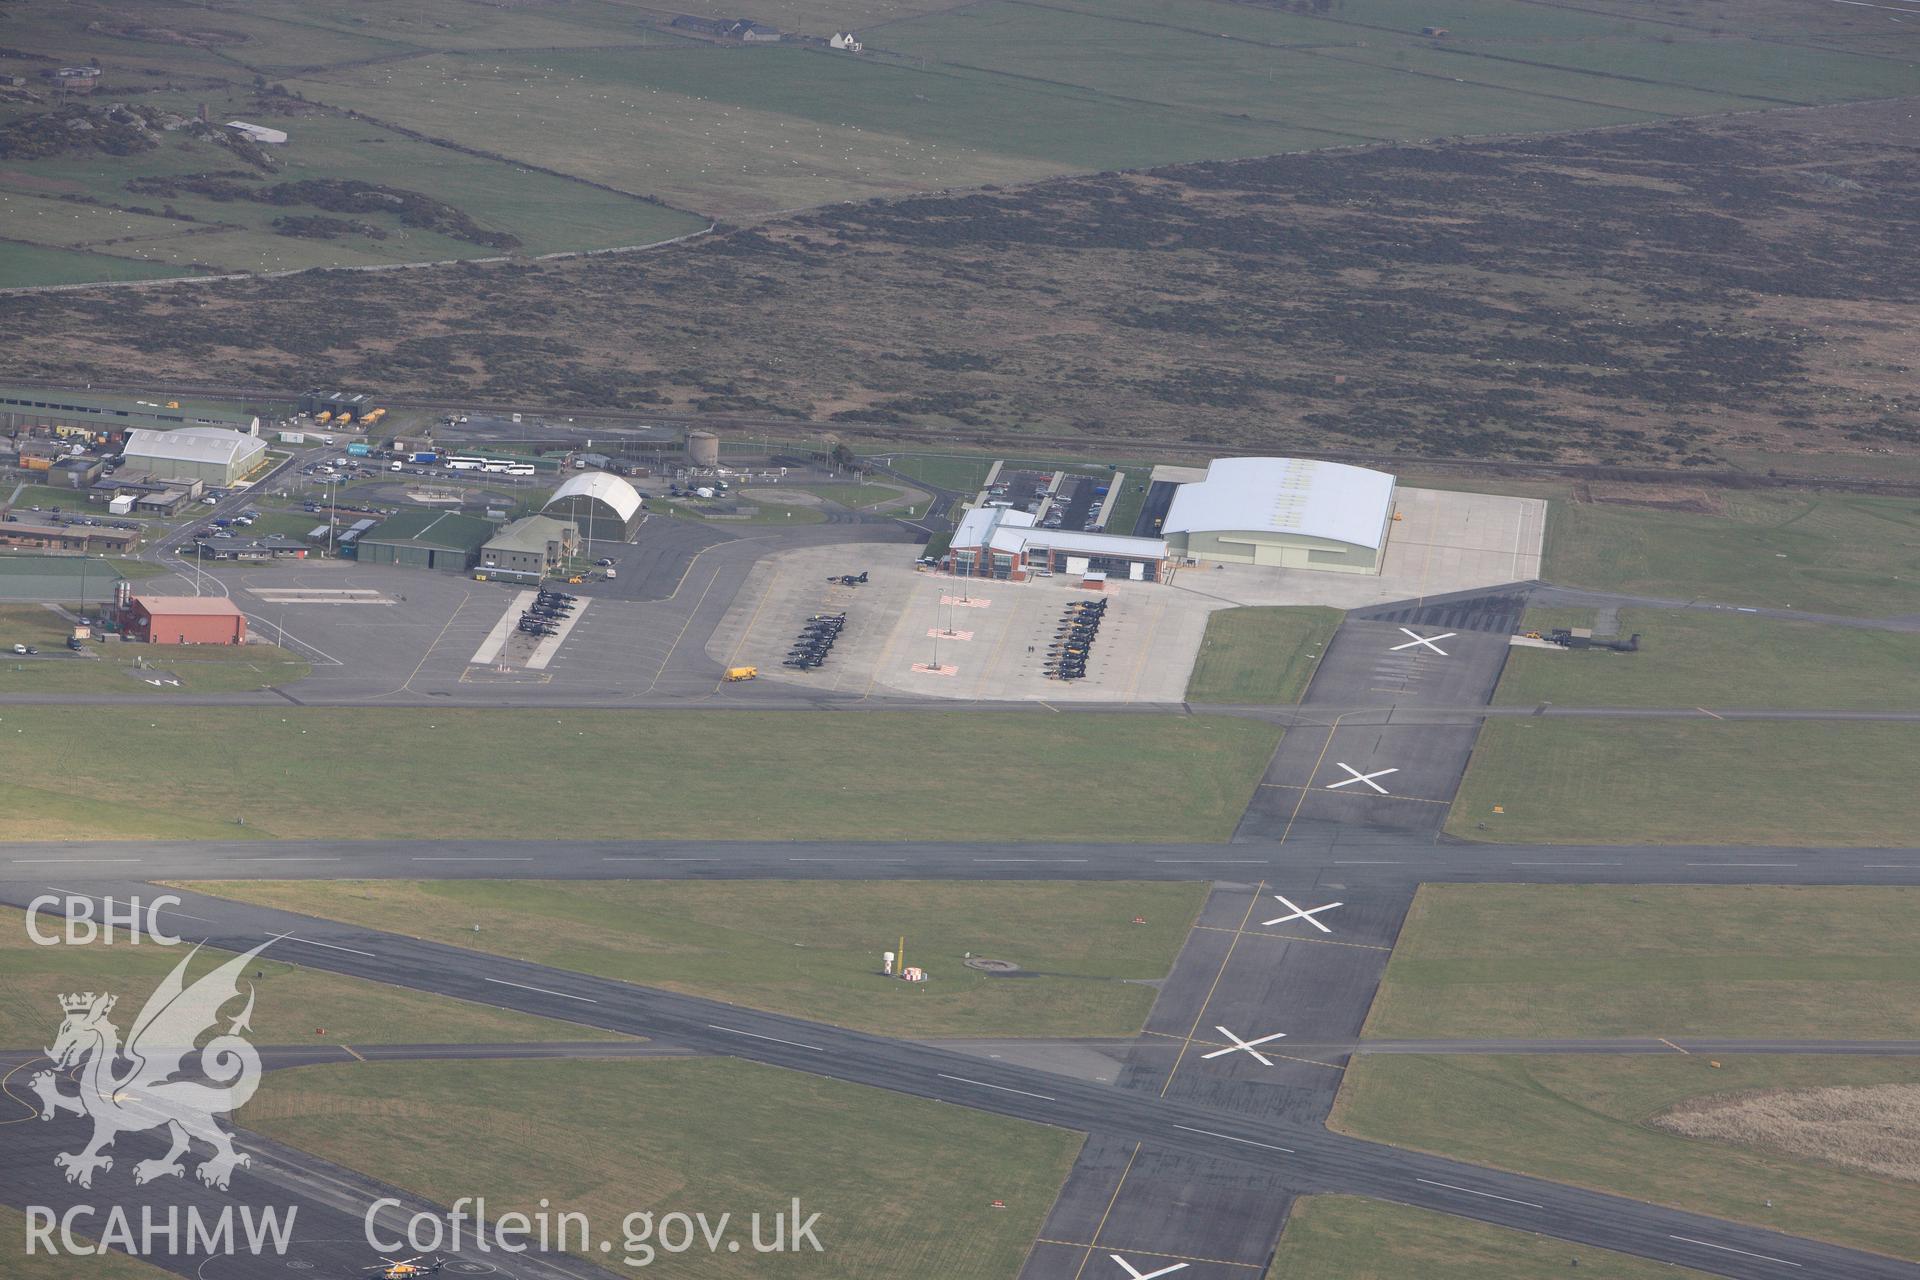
1689,782
43,1266
1720,660
1133,496
294,1005
119,667
1831,553
73,580
33,264
702,776
749,512
943,471
796,127
1010,90
855,497
1550,961
1260,655
1001,92
24,497
806,948
714,1136
1351,1238
548,213
1582,1120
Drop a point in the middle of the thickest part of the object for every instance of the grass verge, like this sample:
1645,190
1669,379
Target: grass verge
1831,553
714,1136
737,776
294,1003
1689,782
807,948
117,667
1839,962
107,1265
1262,655
1353,1238
1583,1120
1721,660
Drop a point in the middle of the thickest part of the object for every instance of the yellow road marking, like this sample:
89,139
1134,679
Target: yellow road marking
32,1110
1351,795
1202,1011
1317,762
691,615
350,1049
1149,1253
1114,1199
746,632
1215,1044
1671,1045
1291,937
1146,647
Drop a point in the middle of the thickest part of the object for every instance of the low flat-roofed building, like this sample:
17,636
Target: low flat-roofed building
162,502
1000,542
259,132
47,536
185,620
75,473
425,540
528,549
270,547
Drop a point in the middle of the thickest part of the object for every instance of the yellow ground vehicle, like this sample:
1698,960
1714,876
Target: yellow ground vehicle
575,580
741,673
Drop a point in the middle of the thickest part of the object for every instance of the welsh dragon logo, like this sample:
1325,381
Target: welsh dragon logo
132,1087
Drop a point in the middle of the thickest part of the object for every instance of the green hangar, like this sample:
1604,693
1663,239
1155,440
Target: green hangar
1291,513
214,455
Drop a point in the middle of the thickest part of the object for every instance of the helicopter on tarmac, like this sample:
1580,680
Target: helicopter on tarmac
408,1268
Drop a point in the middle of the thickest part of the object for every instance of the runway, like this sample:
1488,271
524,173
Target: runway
1314,854
1199,1132
1283,1153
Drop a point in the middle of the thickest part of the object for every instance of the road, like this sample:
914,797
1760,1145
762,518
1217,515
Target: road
1306,1158
1313,854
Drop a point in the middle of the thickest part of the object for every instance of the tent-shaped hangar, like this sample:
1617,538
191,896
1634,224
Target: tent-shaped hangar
214,455
605,507
1292,513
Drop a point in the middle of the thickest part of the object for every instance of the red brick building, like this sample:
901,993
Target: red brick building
185,620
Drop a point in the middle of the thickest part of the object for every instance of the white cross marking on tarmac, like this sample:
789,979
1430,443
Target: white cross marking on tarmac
1358,776
1245,1046
1301,913
1419,639
1128,1267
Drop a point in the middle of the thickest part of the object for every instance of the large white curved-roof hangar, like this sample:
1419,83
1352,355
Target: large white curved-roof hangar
1294,513
605,507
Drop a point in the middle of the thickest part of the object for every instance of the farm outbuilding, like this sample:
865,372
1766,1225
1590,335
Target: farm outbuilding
604,507
1293,513
213,455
